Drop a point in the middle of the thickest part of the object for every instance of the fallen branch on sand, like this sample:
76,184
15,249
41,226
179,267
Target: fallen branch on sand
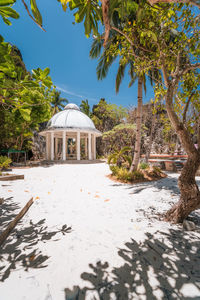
12,224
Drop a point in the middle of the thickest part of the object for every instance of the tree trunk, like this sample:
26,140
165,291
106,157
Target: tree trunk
190,195
150,138
136,157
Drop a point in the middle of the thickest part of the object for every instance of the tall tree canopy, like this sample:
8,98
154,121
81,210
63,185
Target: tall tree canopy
105,116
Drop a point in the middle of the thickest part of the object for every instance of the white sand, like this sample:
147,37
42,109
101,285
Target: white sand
104,215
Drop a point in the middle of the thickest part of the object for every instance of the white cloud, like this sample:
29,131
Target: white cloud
68,92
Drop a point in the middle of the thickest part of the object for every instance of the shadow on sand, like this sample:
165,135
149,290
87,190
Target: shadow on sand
169,184
21,248
165,266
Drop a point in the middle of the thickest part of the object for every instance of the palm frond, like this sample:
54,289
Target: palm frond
96,48
120,76
104,64
125,149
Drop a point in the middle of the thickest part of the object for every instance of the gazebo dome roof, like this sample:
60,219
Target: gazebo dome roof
71,118
72,106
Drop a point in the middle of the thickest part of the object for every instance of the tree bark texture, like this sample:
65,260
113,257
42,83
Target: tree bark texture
150,138
136,157
105,12
190,195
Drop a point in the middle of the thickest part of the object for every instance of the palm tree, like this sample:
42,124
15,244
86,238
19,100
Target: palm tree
85,107
57,102
105,61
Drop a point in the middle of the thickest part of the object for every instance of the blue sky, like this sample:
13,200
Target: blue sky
65,50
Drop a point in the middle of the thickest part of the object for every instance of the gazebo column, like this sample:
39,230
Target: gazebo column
89,147
94,146
47,146
86,152
52,145
56,148
78,146
64,146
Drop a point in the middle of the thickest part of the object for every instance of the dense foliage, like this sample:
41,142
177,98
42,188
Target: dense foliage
24,98
4,162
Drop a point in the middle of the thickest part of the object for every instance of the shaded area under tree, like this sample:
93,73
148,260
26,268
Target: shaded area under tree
163,266
21,249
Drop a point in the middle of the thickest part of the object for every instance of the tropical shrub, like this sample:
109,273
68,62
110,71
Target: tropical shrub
118,137
114,170
125,175
4,162
143,165
137,175
120,158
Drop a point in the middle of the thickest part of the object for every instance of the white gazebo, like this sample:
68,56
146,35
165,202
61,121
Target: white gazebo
70,134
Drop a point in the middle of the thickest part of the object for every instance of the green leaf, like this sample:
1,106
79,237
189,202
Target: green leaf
79,15
25,113
46,72
64,4
6,21
6,2
47,83
36,12
8,12
30,84
151,24
154,36
87,23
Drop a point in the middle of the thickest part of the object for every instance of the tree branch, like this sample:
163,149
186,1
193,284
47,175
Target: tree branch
127,38
186,107
166,80
179,127
190,67
177,64
26,7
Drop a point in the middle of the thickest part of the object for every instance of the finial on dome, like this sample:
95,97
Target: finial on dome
72,106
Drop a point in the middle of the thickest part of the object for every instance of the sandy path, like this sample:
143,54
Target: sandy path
104,216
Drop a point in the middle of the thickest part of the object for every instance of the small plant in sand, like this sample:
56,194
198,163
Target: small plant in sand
143,166
121,158
125,175
4,162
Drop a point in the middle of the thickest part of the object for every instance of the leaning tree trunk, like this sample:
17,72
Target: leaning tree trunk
190,195
136,157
